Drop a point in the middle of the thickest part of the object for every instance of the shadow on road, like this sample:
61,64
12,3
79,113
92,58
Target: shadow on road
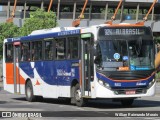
58,101
107,104
101,104
3,102
47,100
20,99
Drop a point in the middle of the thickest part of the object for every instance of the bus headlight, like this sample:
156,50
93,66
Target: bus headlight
151,83
105,84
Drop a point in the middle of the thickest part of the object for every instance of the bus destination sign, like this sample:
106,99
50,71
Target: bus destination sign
124,31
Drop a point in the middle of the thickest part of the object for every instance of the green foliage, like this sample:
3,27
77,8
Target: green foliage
158,77
38,20
157,39
7,30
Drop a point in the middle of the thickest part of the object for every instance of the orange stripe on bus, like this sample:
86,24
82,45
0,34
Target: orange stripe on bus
10,75
19,79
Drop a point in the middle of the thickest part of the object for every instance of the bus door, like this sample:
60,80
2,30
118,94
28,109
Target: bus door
86,63
16,56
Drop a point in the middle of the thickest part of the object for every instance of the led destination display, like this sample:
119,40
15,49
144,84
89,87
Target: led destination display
124,31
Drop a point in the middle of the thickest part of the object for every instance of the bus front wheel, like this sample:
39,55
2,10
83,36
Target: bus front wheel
29,92
127,102
79,100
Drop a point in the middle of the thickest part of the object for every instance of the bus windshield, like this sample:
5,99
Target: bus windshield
125,54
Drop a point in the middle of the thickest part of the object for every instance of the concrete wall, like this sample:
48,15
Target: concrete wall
66,23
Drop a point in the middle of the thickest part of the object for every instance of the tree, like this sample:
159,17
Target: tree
7,30
38,20
157,41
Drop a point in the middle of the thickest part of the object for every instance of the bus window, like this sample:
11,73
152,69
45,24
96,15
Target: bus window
25,51
48,50
60,48
36,51
73,47
98,58
9,52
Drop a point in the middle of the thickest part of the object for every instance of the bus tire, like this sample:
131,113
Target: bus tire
29,92
127,102
80,102
73,101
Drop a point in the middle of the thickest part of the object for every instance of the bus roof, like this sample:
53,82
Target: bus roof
40,34
51,30
61,31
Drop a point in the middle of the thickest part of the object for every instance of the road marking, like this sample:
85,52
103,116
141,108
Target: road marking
151,119
61,106
78,108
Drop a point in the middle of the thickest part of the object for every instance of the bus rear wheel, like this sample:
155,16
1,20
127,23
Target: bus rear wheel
127,102
29,92
80,102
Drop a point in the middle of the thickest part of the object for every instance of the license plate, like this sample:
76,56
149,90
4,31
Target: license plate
130,92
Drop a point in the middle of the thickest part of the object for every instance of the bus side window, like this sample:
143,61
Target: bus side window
73,47
9,52
32,51
48,50
36,51
25,51
61,49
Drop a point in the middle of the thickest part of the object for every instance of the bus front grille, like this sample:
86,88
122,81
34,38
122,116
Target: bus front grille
128,76
129,91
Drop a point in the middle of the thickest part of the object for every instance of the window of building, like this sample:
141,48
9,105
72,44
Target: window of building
60,48
98,9
66,8
9,52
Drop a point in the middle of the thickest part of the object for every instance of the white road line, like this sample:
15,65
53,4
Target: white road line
152,118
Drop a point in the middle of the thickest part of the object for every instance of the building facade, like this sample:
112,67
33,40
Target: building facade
96,12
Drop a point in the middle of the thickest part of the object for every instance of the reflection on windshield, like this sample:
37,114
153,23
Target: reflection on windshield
124,55
141,55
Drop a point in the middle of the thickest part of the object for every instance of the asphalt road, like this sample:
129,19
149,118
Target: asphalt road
64,110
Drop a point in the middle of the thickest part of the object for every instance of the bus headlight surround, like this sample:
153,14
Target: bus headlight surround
103,83
151,83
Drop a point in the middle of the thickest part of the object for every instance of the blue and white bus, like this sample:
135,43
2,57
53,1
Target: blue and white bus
97,62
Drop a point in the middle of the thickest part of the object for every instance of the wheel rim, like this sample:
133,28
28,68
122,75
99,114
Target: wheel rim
28,92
